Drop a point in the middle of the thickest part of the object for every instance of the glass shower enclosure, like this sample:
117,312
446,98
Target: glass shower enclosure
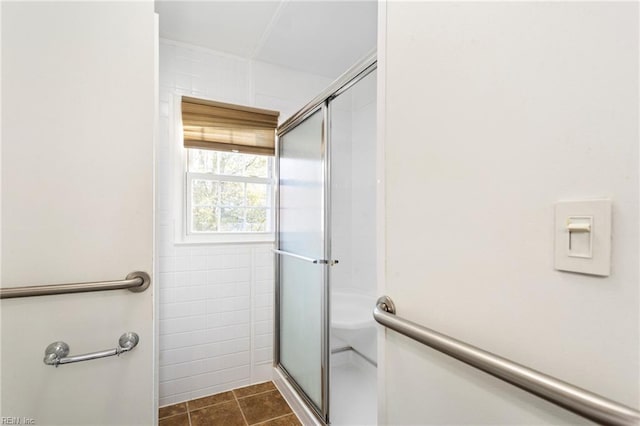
304,262
301,272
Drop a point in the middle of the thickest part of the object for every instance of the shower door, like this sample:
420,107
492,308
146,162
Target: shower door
301,283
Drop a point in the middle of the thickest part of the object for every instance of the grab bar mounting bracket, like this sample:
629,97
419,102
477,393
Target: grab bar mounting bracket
386,304
146,281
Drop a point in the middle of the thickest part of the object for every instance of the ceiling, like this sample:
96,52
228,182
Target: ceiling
318,37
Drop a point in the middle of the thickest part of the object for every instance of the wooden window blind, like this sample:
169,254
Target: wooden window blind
226,127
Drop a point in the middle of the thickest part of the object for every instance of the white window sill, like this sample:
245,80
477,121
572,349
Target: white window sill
226,238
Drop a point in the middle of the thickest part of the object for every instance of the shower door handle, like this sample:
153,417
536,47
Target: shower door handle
305,258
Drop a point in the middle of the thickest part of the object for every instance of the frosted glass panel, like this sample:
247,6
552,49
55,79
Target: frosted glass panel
301,233
301,286
301,189
353,188
353,389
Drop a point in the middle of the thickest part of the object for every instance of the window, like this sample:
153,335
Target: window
229,168
228,192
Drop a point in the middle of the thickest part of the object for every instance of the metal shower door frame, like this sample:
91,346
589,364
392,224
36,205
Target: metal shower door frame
323,413
322,102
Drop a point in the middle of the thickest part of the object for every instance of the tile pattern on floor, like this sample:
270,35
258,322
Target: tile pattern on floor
259,404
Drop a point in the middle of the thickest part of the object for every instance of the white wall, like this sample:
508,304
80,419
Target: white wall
77,197
216,301
494,111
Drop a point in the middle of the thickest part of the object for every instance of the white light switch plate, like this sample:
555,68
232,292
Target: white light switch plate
586,252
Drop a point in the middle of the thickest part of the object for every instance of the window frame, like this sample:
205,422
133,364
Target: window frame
215,177
181,195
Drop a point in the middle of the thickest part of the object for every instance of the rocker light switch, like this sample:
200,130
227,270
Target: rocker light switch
580,236
583,236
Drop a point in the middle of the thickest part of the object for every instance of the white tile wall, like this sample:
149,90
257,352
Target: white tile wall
216,319
216,301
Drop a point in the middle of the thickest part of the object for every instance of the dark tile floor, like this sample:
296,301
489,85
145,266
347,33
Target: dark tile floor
259,404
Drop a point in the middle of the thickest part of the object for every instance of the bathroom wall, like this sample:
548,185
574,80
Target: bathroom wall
494,112
353,187
216,300
78,102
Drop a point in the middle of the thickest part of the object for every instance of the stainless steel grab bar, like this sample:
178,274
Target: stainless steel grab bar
297,256
56,353
136,281
563,394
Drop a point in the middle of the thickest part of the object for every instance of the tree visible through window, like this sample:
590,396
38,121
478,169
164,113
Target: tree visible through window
228,192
